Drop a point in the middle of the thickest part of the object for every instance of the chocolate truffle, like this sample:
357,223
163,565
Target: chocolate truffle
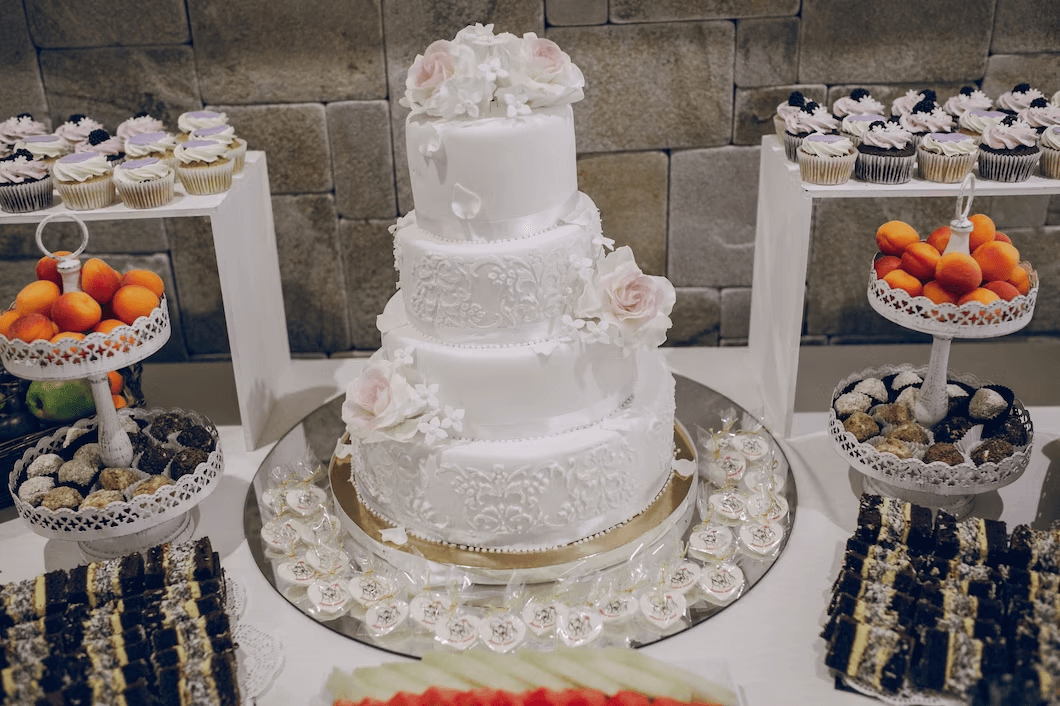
78,473
952,429
852,402
911,432
874,388
91,454
35,488
862,426
197,437
154,459
991,451
895,414
44,465
904,379
1009,428
168,423
945,452
186,461
986,404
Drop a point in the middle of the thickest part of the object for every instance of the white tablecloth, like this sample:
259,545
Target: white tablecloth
767,643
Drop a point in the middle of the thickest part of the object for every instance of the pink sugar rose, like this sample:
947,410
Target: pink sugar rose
433,68
620,295
546,58
380,404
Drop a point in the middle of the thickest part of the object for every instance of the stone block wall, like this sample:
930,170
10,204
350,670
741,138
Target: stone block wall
679,94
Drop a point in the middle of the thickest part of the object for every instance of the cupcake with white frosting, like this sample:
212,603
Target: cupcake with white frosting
811,119
226,135
1018,98
974,122
194,120
77,129
203,168
1049,144
886,154
44,148
159,145
144,183
1009,151
945,158
1040,114
25,184
139,124
969,98
13,130
854,127
859,102
926,117
826,159
84,180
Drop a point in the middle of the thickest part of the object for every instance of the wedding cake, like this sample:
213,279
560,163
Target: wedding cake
519,401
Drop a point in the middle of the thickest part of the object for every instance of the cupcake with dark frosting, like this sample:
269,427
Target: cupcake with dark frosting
1009,151
854,127
785,110
969,98
886,154
1020,97
25,184
859,102
973,122
1040,114
811,119
926,117
904,104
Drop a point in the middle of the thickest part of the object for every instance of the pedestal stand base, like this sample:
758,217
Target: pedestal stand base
178,529
960,506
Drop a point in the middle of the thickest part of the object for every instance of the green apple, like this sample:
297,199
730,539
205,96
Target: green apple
60,401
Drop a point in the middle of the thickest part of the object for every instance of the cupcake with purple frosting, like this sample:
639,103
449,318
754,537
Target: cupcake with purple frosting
1021,96
203,168
859,102
194,120
84,180
25,184
139,124
926,117
1009,150
1040,114
1049,144
14,130
144,183
785,110
826,159
945,157
854,127
886,154
973,122
110,147
969,98
811,119
159,145
44,148
76,129
226,135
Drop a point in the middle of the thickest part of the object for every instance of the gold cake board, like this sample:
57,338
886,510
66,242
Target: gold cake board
673,506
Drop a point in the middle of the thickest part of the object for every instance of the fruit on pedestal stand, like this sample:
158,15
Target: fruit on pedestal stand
60,401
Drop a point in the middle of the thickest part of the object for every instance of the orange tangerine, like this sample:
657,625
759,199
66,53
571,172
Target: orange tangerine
133,301
144,278
118,400
32,327
48,268
983,231
6,319
75,311
37,297
116,382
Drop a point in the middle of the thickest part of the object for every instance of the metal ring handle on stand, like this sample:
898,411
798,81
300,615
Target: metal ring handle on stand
967,191
69,216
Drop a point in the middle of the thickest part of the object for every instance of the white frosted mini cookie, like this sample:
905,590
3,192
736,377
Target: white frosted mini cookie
662,608
684,577
711,541
722,582
385,617
728,505
502,633
297,572
761,538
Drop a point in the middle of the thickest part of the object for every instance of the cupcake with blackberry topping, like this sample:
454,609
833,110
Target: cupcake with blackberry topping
1009,151
926,117
826,159
194,120
15,129
1021,96
76,129
159,145
84,180
786,109
144,183
974,122
945,158
859,102
969,98
810,119
1049,144
25,184
203,167
903,105
44,148
886,154
138,125
1040,115
226,135
100,141
854,127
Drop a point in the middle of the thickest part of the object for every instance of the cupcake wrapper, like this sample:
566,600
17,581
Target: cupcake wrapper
884,169
207,180
1050,163
83,196
1006,167
826,171
780,126
856,139
147,194
942,169
23,198
238,155
791,146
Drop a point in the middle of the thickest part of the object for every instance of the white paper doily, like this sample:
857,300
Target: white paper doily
235,599
905,697
260,659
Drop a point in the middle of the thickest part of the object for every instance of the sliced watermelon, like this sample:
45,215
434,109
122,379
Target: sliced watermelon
628,698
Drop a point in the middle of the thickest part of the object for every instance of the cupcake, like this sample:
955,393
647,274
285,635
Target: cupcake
188,123
903,105
203,167
886,155
1055,100
1049,144
15,129
969,98
854,126
810,119
100,141
1021,95
159,145
144,183
974,122
826,159
76,129
859,102
945,158
44,148
1040,114
25,184
139,124
785,110
926,117
226,135
84,180
1009,151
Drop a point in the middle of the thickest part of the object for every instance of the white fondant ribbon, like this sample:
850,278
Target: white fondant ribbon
467,225
596,413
